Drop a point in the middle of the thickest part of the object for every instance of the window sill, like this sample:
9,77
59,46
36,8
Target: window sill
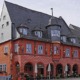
1,72
75,57
5,53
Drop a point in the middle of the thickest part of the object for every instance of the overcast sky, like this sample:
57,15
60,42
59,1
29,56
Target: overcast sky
68,9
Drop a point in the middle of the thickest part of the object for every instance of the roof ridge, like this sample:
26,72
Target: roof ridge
26,8
74,26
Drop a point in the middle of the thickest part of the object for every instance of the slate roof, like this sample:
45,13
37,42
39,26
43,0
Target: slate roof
36,20
75,30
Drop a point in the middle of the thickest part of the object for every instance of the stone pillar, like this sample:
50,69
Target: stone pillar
64,72
34,74
71,70
45,71
22,68
78,69
54,71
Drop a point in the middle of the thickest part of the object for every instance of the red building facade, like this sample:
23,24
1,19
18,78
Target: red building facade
37,42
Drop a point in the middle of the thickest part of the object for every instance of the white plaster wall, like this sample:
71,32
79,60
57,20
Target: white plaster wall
6,30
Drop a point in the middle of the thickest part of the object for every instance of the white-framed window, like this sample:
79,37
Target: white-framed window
40,49
63,38
55,33
73,40
2,36
5,49
56,51
28,48
23,30
2,67
75,53
16,48
67,53
38,34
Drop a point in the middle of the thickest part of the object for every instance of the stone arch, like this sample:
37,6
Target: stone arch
40,68
59,70
28,68
75,69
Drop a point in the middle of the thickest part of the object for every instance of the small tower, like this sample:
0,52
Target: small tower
53,28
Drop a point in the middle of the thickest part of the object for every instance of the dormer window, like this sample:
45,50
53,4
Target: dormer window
23,30
63,38
73,40
38,34
55,33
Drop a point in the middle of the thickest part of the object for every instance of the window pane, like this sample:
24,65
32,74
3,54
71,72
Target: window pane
63,38
4,67
2,36
67,53
24,31
4,17
55,33
38,34
20,29
28,48
6,49
16,48
7,23
73,40
40,49
56,50
0,67
75,53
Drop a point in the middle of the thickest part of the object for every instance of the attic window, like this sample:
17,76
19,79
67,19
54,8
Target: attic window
2,25
28,20
38,34
7,23
22,30
73,40
4,17
2,36
63,38
55,33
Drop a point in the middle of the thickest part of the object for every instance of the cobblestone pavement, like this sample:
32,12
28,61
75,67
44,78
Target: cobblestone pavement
68,79
64,79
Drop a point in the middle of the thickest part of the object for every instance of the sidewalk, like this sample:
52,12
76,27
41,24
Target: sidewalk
64,79
68,79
